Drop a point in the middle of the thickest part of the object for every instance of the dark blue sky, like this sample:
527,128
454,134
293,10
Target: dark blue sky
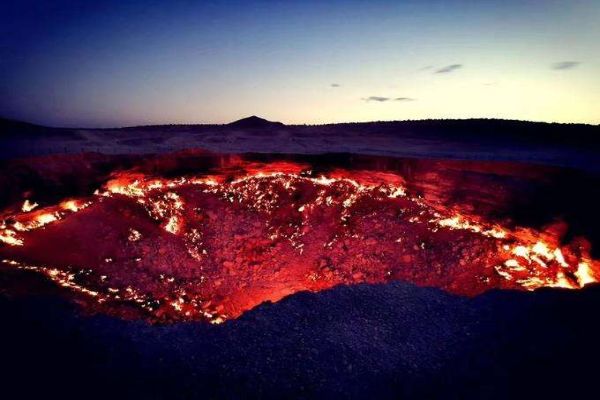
113,63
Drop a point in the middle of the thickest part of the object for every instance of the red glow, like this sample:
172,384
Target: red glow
213,246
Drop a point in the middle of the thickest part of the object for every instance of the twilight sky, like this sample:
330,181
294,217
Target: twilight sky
118,62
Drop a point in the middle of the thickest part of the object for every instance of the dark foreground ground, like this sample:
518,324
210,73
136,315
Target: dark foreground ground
382,341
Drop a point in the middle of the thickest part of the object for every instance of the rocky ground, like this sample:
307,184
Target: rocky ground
364,341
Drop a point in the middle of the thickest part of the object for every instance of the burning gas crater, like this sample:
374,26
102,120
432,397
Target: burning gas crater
212,247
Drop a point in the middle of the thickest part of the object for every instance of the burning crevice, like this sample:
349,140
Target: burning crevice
212,246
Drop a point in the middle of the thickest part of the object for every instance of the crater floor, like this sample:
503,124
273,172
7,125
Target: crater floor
210,245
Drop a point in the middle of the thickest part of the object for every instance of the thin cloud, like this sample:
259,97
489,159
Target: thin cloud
381,99
335,85
448,68
565,65
377,99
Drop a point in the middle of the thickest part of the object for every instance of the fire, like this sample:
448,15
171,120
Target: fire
210,247
536,259
172,225
584,274
73,205
458,222
9,237
134,235
541,249
28,206
558,256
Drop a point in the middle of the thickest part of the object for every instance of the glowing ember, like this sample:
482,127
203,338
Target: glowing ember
584,274
28,206
212,247
9,237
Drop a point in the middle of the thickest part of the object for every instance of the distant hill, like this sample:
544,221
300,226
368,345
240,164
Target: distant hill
10,128
11,125
254,122
481,130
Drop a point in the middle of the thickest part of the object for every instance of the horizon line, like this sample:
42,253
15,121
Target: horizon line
296,124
